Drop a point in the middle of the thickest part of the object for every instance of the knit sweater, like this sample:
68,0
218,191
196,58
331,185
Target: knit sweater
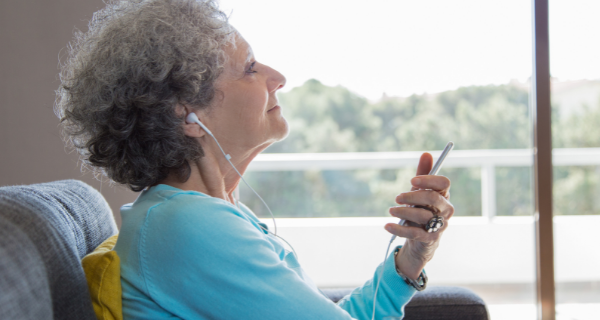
188,255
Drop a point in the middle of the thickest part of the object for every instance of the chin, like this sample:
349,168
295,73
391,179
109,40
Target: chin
284,132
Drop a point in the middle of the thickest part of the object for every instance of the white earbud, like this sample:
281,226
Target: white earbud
193,118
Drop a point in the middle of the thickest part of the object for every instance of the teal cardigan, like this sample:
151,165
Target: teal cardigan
187,255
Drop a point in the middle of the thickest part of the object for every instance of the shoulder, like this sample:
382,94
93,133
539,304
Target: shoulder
190,228
190,202
179,209
177,215
185,229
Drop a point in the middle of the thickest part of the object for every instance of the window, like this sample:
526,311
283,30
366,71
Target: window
576,140
369,86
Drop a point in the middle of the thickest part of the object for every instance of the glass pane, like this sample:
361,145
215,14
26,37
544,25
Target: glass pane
576,141
394,77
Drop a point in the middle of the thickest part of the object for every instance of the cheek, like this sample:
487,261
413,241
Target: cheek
248,113
248,99
253,108
257,101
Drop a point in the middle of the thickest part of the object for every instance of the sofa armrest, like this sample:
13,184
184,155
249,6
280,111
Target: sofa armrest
446,303
435,303
24,288
58,223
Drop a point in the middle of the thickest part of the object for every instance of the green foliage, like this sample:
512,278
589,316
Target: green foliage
576,190
334,119
579,129
315,112
488,117
514,193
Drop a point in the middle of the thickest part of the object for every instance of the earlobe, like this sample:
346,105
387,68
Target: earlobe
189,129
193,130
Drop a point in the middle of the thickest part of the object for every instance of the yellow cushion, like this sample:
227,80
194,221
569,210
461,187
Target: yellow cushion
103,274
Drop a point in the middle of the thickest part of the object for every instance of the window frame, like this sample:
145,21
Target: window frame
542,164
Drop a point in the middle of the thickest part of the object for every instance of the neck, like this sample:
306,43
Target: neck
213,175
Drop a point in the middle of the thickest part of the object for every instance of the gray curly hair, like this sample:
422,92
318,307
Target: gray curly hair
124,77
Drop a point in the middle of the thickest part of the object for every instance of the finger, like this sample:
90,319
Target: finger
414,233
437,183
424,167
425,164
428,198
418,215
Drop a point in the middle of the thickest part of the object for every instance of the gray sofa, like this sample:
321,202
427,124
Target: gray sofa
46,229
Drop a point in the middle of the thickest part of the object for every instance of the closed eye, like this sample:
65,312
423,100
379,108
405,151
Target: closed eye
251,68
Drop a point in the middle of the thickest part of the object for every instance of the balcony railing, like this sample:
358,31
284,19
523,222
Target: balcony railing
475,250
487,160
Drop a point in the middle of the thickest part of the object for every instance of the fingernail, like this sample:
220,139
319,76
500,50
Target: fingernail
417,181
388,227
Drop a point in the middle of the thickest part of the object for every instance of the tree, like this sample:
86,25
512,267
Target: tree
334,119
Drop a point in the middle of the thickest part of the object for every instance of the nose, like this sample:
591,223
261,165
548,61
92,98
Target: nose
276,80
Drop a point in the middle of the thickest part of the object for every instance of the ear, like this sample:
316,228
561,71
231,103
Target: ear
190,129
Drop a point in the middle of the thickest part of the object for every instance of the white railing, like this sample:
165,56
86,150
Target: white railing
487,160
475,250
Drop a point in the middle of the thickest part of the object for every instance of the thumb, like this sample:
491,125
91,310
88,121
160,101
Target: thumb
425,164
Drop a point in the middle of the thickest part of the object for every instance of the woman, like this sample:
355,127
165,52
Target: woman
188,248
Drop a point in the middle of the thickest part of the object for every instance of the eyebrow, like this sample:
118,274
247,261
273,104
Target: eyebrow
250,54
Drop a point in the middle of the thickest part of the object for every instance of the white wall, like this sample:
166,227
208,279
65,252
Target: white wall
345,251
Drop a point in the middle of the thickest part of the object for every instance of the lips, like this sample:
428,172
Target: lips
274,108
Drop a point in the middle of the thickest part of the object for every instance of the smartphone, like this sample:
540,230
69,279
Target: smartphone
438,164
434,171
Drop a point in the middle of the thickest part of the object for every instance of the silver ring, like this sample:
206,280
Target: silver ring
434,224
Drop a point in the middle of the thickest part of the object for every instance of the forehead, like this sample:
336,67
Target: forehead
238,53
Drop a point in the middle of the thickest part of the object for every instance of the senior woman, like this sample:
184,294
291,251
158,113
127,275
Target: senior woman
188,248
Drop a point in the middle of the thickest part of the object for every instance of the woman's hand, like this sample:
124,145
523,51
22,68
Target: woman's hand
430,194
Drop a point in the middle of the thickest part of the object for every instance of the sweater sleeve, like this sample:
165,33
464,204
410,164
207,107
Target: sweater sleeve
206,260
392,296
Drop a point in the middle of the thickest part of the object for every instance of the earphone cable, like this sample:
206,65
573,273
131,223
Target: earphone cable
380,275
193,118
228,157
295,254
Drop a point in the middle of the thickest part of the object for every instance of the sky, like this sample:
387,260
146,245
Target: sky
401,47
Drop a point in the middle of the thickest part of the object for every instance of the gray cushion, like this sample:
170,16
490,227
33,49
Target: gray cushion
435,303
63,220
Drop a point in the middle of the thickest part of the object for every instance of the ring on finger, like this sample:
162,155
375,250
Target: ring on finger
434,224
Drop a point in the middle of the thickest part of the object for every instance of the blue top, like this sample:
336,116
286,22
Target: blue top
187,255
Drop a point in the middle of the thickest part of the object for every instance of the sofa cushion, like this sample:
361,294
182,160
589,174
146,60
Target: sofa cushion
103,274
63,220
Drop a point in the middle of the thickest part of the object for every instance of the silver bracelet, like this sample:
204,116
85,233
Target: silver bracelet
420,284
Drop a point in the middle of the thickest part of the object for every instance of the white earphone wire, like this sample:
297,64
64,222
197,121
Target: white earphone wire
380,275
192,117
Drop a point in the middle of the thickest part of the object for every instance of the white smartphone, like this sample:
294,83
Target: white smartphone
438,164
434,171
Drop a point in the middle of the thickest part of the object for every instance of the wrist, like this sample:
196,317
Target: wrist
419,282
409,267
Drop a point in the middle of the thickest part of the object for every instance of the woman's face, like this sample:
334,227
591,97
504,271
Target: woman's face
245,113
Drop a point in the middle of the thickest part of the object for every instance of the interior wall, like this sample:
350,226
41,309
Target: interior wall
32,35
